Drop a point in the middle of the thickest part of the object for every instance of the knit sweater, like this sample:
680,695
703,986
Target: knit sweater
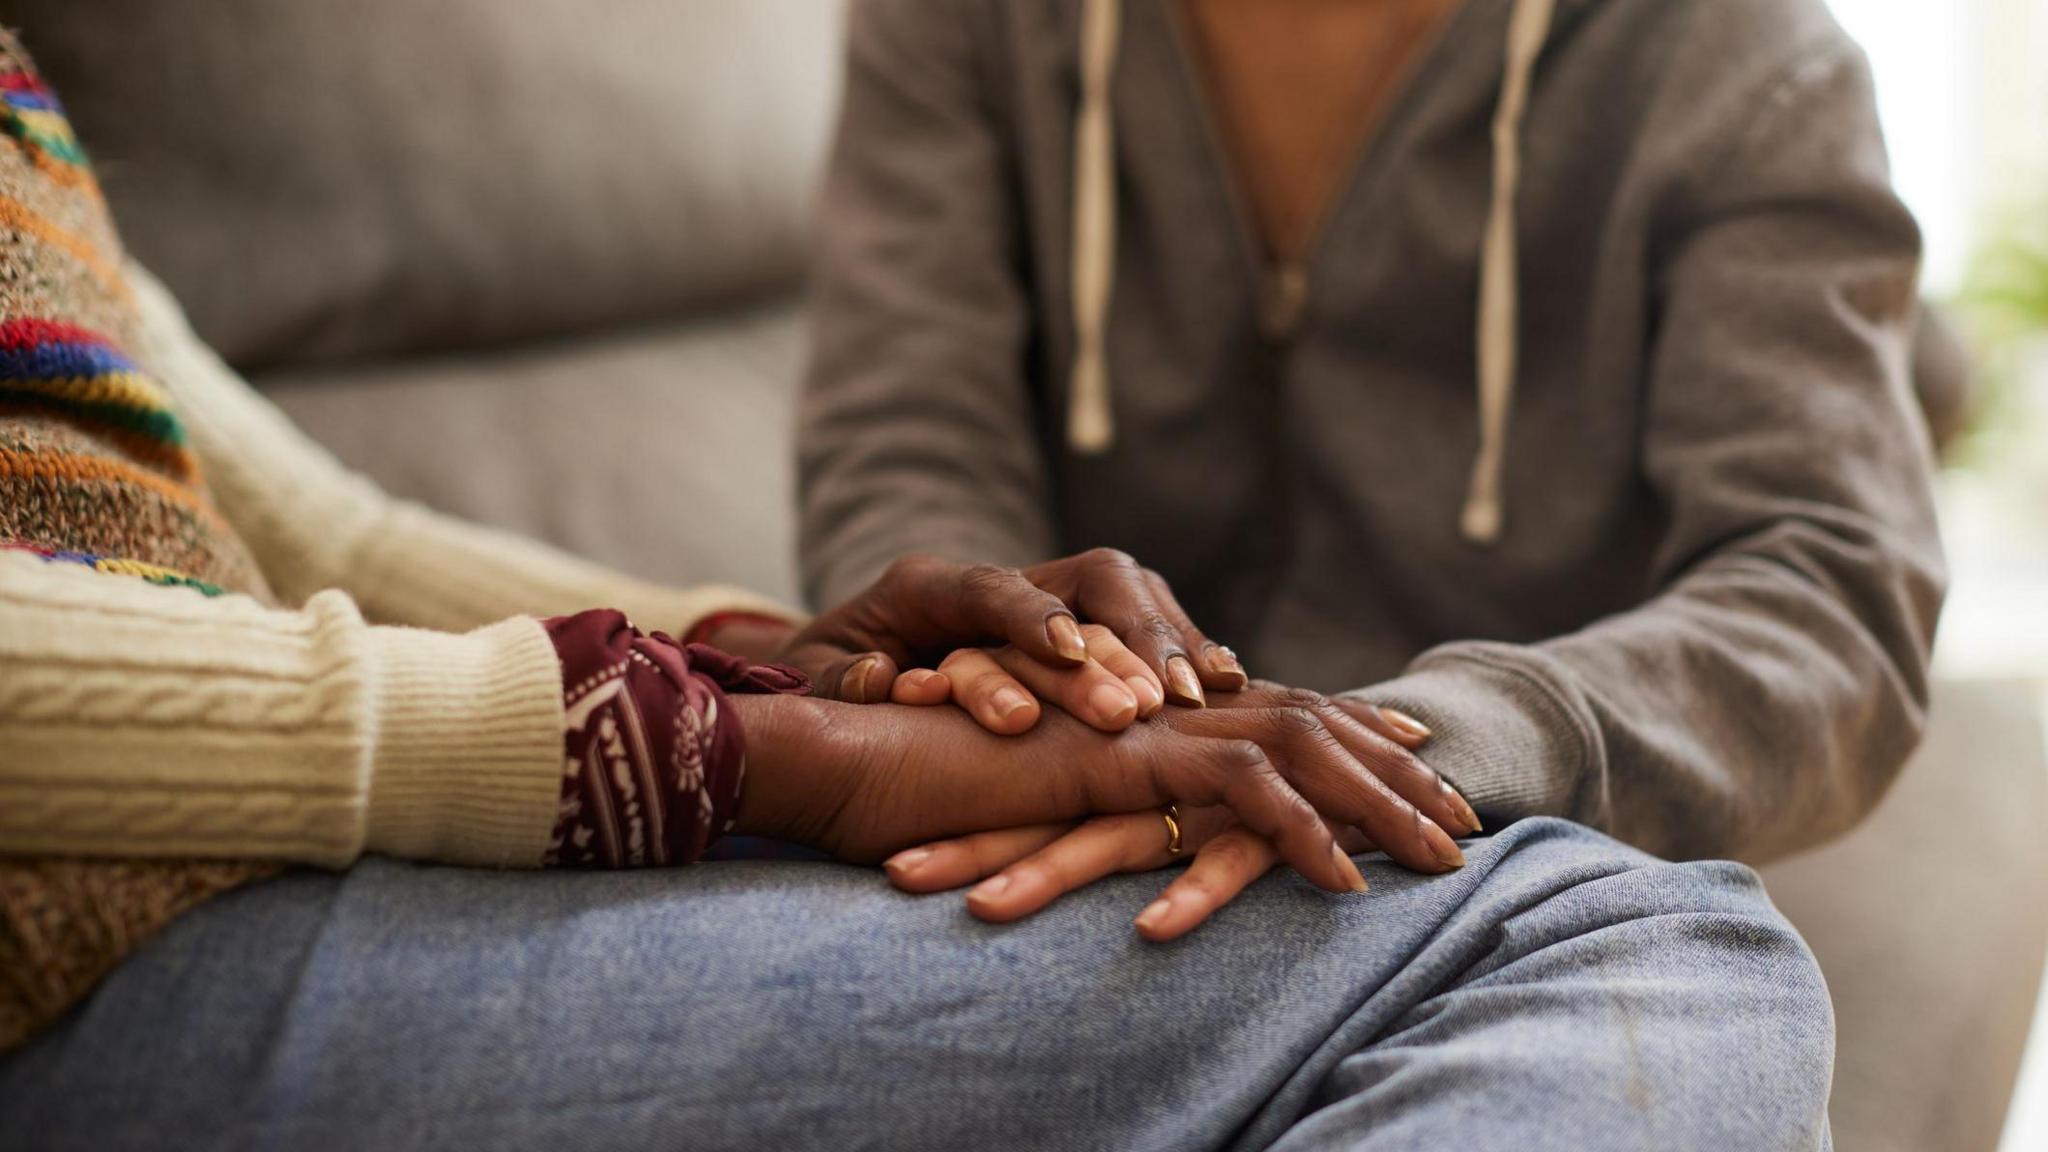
215,642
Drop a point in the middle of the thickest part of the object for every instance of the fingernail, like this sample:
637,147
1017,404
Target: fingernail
1182,682
1463,806
1149,696
1112,702
1223,662
1155,914
1440,844
854,685
1349,867
1066,638
903,861
1406,723
990,888
1008,702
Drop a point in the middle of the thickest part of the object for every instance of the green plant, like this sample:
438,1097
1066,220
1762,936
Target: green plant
2004,309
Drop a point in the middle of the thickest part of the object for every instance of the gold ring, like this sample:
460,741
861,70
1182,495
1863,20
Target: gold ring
1171,814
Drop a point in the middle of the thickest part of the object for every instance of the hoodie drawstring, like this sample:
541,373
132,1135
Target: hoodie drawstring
1090,428
1499,303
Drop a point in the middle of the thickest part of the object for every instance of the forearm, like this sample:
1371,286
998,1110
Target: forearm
917,428
148,722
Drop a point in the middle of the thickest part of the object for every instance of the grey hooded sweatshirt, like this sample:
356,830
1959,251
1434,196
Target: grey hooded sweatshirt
1585,432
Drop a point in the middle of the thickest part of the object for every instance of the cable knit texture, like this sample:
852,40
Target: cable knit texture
171,726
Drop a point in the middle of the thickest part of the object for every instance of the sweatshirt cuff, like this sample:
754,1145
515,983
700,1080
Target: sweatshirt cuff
467,764
1501,732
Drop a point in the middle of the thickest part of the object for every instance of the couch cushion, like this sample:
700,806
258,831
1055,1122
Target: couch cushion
665,453
336,178
1930,922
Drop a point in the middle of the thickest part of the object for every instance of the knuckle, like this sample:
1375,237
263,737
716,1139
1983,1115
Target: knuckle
1242,755
1295,722
1155,625
982,579
1109,558
909,568
1096,633
1307,698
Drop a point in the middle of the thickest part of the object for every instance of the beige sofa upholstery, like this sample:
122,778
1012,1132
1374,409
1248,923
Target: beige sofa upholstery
537,263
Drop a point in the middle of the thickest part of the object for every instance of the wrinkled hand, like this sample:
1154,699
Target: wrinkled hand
924,608
863,783
1028,868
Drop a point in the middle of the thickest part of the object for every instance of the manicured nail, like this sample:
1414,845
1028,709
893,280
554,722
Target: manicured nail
1462,806
1111,702
1008,702
904,861
1353,877
1440,843
1155,914
1181,681
1414,728
990,888
854,685
1066,638
1223,662
1149,696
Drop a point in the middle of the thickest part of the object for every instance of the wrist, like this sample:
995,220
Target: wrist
796,778
752,636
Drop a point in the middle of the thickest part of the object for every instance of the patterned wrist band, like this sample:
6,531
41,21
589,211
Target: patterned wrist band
653,760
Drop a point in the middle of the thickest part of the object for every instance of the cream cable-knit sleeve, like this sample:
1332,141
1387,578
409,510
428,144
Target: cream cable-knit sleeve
313,524
138,720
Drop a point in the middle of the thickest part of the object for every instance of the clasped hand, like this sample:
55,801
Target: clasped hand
1032,802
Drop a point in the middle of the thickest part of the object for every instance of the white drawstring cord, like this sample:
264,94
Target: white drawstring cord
1090,427
1499,307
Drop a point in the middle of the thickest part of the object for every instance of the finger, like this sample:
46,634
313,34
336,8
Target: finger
1253,787
1325,772
856,677
1105,649
1222,868
1100,847
989,693
921,686
948,864
1391,723
1089,693
1393,762
1110,588
1354,842
1216,665
991,600
1158,763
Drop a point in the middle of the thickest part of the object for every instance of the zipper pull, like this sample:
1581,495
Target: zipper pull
1283,300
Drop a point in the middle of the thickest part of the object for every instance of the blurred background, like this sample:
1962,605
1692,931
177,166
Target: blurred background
497,257
1963,90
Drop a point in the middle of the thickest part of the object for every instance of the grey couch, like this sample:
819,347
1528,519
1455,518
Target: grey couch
538,263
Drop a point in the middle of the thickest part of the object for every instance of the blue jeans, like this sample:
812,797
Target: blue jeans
1561,992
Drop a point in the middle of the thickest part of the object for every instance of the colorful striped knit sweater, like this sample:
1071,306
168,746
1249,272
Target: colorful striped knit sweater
160,744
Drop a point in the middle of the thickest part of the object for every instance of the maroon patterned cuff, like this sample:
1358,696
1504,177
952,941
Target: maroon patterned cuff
653,760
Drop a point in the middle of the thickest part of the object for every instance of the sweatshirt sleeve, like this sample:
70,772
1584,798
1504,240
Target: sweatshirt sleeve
917,428
147,721
312,524
1768,695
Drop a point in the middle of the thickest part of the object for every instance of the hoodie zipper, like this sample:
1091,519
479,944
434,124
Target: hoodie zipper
1283,301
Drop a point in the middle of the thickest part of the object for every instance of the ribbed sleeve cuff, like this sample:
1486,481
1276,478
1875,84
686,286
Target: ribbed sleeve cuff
467,767
1502,732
